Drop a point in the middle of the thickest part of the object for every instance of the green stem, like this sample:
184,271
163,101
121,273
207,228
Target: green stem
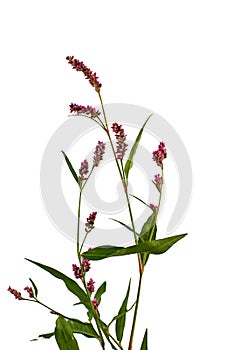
135,312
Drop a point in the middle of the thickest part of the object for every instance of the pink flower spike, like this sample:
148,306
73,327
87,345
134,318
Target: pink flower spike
84,168
86,265
95,304
78,109
90,285
121,147
159,155
99,152
30,291
158,181
16,294
90,222
77,271
79,66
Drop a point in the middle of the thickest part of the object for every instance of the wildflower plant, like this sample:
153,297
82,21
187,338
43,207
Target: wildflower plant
83,285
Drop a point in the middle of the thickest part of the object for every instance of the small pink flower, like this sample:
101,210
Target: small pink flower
159,155
121,147
99,152
30,291
84,168
90,285
80,66
16,294
95,303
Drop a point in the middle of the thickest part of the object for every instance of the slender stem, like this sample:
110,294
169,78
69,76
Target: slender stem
78,225
135,312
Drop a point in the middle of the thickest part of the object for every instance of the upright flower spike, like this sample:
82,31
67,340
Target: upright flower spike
158,181
77,271
121,147
90,285
79,66
86,265
84,168
160,154
99,152
88,110
154,207
16,294
89,225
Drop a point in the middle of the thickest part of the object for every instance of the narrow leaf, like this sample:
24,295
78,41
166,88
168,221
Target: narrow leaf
121,223
144,342
140,200
64,335
71,285
100,291
120,322
73,172
119,315
158,246
83,328
34,287
129,163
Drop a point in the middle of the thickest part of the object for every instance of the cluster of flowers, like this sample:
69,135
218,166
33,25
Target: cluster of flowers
160,154
120,137
88,110
97,157
81,67
18,295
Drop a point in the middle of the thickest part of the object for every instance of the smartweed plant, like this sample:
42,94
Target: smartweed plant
82,286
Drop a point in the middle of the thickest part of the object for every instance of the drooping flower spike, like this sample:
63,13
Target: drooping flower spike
16,294
81,67
88,110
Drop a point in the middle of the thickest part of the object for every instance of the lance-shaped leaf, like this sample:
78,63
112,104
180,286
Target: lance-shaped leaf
120,322
45,336
83,328
70,166
64,335
71,285
121,223
119,315
129,163
148,234
34,287
100,291
140,200
144,342
158,246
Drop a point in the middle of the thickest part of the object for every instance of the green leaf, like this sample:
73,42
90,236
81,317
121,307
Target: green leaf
158,246
144,342
120,322
73,172
83,328
139,199
119,315
64,335
129,163
121,223
148,234
100,291
71,285
34,287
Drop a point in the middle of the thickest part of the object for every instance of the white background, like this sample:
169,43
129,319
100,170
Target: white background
174,57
